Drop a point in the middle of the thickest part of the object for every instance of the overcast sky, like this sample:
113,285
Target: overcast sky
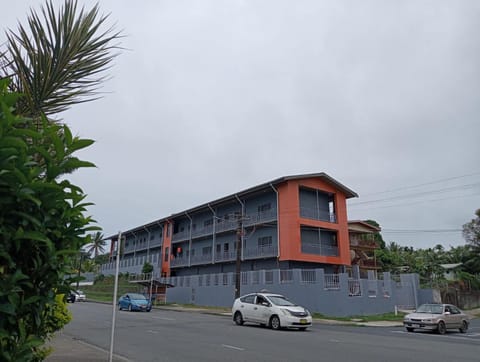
213,97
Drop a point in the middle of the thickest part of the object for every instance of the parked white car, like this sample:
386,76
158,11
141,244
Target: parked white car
273,310
80,296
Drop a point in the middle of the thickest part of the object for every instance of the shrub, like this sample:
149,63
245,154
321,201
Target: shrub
42,225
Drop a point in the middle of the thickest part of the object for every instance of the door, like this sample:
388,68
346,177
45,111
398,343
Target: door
261,310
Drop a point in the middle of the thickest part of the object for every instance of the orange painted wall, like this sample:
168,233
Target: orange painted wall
167,243
290,222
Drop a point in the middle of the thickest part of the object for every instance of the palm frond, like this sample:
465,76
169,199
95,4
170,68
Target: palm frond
60,58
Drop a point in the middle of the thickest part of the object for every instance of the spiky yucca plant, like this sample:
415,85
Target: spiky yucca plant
59,59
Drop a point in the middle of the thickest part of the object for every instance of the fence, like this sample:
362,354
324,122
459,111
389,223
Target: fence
329,294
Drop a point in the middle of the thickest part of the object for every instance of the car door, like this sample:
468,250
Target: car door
456,317
261,310
449,317
247,307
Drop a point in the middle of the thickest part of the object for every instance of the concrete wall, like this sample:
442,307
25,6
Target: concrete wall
329,294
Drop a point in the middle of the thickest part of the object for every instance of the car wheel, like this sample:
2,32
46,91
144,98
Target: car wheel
409,329
464,327
238,319
275,322
441,328
130,308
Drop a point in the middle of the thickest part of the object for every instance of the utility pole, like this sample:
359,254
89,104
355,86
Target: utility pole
238,267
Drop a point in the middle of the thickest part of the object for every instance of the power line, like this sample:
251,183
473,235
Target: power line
414,202
405,231
423,184
419,194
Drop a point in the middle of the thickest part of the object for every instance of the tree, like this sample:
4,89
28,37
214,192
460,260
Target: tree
147,268
42,226
59,59
56,62
471,233
98,244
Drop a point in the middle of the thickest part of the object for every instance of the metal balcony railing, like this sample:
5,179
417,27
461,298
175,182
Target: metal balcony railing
325,250
226,225
316,214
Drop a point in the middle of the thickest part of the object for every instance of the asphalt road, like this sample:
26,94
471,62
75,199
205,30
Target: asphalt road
164,335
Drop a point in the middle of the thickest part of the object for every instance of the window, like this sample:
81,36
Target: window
207,250
265,242
208,222
219,248
225,247
264,207
248,298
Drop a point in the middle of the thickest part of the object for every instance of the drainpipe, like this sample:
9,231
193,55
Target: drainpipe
148,242
278,224
213,232
134,245
190,240
161,247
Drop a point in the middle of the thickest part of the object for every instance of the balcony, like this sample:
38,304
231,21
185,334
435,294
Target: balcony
257,253
227,256
316,214
363,241
226,225
324,250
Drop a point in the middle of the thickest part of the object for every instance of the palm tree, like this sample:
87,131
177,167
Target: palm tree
59,59
98,244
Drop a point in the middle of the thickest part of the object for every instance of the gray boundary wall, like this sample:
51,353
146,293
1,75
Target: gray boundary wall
329,294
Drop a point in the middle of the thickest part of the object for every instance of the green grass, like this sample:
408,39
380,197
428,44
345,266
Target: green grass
370,318
102,290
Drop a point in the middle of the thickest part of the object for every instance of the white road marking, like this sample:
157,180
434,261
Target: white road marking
164,318
334,340
233,347
151,331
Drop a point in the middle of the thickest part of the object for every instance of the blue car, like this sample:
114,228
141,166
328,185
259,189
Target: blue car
134,301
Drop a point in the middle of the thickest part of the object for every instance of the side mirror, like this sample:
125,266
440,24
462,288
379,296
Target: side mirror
447,313
266,304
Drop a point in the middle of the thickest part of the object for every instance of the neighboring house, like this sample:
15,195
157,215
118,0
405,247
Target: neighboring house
450,271
363,245
293,222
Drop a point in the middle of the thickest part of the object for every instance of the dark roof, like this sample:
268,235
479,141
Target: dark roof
330,180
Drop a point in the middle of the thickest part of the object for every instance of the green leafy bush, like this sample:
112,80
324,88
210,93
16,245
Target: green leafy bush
42,225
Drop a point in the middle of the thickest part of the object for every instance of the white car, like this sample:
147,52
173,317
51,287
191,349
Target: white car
79,296
273,310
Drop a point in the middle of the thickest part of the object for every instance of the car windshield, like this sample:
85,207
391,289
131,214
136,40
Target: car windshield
280,300
430,308
137,296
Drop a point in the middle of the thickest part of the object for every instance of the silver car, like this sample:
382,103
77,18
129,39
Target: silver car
437,317
273,310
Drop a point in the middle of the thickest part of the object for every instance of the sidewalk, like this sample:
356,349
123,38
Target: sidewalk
66,348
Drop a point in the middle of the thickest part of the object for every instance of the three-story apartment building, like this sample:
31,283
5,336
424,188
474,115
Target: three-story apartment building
291,222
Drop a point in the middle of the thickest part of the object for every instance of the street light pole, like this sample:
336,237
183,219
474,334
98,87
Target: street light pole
238,267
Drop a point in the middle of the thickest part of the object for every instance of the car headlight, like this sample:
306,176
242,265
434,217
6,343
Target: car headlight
286,312
307,311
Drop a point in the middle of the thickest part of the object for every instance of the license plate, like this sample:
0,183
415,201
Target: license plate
303,321
415,325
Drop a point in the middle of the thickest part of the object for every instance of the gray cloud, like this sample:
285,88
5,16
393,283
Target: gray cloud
212,97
